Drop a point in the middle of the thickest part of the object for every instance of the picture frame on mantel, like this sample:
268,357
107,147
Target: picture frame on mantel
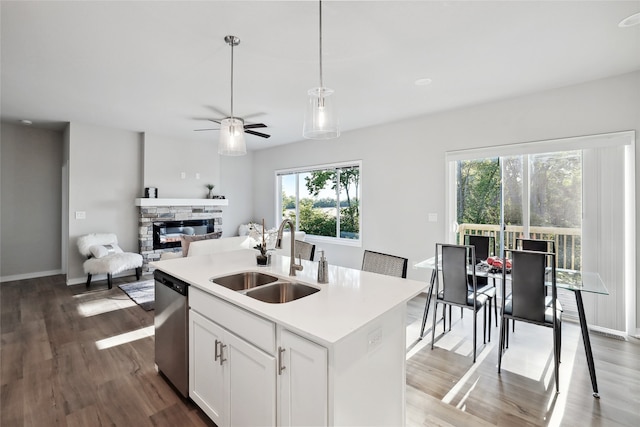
151,193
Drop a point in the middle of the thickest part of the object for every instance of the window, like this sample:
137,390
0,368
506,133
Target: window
323,201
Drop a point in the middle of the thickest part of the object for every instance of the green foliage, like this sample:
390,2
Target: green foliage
288,202
350,221
315,221
478,187
555,190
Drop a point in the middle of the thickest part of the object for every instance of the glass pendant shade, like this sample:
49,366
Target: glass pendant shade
320,120
232,138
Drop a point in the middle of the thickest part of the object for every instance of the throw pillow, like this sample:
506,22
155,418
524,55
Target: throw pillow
99,251
186,240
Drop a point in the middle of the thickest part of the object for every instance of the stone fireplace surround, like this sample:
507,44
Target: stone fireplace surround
153,210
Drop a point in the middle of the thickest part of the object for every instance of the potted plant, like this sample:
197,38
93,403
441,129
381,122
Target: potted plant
210,187
263,257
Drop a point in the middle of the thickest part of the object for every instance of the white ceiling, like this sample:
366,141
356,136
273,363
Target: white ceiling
163,67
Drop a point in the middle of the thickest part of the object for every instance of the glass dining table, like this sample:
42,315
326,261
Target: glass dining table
572,280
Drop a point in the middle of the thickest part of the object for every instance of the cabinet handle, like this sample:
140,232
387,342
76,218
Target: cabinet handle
222,359
216,354
281,366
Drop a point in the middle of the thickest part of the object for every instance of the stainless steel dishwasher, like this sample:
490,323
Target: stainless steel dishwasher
172,330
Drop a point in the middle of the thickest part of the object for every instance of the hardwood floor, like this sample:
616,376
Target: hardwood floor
54,374
524,393
76,357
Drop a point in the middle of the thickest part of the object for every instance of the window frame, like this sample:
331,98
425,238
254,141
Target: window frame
278,174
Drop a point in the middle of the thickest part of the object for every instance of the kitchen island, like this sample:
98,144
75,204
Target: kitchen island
335,357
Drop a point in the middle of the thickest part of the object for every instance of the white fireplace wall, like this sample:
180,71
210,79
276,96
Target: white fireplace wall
181,168
165,160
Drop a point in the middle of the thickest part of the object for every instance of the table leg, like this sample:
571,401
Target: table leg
587,343
426,307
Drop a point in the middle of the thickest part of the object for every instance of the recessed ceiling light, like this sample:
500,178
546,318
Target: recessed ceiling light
422,82
26,122
630,21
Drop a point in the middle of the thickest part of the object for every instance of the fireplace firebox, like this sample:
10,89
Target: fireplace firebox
166,234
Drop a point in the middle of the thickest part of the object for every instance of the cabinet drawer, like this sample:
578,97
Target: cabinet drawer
255,329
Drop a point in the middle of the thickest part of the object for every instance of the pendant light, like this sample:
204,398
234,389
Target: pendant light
320,121
232,128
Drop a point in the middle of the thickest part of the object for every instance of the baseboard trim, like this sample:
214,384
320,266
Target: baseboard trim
33,275
98,277
611,333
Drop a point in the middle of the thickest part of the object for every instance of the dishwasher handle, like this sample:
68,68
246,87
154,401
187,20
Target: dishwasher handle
172,283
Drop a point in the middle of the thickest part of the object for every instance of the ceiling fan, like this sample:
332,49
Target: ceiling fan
247,128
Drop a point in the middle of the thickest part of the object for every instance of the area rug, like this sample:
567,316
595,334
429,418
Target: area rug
142,293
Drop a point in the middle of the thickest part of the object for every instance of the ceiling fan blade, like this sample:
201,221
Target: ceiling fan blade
217,111
253,115
255,125
197,130
214,121
253,132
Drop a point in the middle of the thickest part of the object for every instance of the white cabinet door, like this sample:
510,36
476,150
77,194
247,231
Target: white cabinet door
252,383
232,381
206,374
303,376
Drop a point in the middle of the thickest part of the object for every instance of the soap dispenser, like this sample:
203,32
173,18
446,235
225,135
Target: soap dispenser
323,269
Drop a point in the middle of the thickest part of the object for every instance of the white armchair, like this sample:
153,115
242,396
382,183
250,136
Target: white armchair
104,256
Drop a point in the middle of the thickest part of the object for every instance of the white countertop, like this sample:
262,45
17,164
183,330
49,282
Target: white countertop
350,300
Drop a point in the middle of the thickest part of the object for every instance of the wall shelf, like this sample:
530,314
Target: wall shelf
181,202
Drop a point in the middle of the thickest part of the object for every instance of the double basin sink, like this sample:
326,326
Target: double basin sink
265,287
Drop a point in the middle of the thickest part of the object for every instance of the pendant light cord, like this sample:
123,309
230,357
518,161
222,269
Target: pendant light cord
232,43
320,38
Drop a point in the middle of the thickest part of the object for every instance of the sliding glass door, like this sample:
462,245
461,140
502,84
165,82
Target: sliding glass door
536,196
578,192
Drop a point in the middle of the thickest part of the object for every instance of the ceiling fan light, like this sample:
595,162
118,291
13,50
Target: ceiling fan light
232,138
320,120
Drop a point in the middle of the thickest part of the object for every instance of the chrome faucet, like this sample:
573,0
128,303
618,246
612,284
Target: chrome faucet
293,267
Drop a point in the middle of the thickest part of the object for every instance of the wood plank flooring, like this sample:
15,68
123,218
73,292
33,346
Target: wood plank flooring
53,373
524,393
67,359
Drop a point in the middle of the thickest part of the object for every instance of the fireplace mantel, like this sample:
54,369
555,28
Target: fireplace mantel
181,202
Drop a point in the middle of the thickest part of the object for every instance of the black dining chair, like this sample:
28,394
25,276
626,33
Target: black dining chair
537,245
456,262
391,265
485,247
530,274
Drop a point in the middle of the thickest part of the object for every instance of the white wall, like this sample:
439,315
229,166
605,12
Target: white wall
30,202
236,183
105,176
403,174
165,159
